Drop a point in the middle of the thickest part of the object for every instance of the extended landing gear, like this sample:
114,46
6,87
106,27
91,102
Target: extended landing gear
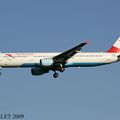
55,75
62,70
58,68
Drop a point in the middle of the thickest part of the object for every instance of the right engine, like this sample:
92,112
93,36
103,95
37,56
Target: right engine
46,62
38,71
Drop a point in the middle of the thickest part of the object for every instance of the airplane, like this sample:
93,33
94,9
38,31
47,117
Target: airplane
41,63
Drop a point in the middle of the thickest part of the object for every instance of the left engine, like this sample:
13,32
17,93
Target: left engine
38,71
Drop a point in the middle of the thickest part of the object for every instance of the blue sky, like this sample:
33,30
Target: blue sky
51,25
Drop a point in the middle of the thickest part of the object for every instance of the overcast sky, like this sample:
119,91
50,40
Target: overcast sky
52,25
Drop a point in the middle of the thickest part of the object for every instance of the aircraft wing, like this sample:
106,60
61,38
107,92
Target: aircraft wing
63,57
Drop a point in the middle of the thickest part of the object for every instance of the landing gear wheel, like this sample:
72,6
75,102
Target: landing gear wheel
55,75
62,70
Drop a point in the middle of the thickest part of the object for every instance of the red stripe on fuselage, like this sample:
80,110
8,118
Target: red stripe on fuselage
114,49
10,55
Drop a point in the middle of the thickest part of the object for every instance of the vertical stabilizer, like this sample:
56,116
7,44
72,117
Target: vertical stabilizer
116,47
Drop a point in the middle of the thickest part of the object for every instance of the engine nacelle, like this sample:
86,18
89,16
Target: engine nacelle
46,62
38,71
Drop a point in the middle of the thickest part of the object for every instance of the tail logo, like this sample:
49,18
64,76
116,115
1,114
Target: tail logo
116,47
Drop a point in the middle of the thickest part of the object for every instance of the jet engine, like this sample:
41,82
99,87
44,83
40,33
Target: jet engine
38,71
47,62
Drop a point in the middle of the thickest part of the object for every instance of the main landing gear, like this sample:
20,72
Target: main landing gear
55,75
59,68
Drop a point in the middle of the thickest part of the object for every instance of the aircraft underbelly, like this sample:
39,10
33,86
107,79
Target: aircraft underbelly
84,64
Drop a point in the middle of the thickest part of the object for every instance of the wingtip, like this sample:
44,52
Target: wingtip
87,42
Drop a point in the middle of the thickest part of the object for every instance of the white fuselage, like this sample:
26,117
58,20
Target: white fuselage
81,59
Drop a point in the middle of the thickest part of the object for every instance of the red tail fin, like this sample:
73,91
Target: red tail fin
116,47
